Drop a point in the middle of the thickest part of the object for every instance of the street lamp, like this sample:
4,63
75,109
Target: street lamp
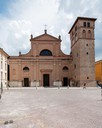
59,76
36,85
58,85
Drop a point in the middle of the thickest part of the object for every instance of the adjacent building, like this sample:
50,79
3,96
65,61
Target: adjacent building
3,68
46,65
98,70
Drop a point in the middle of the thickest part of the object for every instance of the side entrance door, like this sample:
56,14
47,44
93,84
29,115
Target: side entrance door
26,82
65,81
46,80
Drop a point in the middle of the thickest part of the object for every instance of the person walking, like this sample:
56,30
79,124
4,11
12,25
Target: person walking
84,87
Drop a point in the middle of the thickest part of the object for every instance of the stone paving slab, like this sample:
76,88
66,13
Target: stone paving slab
51,108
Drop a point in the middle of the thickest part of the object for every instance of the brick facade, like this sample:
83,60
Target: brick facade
46,65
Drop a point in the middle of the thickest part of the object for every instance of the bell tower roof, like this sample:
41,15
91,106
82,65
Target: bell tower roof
82,18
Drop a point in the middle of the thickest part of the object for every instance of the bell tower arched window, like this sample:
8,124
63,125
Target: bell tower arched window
45,52
84,34
89,34
88,24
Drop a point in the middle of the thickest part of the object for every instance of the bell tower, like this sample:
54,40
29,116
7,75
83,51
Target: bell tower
82,49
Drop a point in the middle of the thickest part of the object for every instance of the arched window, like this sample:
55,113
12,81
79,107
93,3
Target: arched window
89,34
65,68
45,52
84,34
25,69
88,24
84,24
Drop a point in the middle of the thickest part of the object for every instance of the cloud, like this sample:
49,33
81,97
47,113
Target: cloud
30,17
14,35
98,40
27,17
88,8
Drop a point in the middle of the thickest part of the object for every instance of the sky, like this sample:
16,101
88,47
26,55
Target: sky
21,18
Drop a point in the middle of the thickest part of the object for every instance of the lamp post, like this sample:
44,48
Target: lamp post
36,85
58,84
59,75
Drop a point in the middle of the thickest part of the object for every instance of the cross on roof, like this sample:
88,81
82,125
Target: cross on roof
45,26
45,29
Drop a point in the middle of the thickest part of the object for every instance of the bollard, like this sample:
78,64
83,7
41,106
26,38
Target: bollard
36,87
6,122
11,121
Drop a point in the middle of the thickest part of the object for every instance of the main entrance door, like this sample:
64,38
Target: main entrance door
46,80
65,81
26,82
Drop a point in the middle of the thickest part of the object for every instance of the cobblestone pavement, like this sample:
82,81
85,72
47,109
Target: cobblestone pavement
51,108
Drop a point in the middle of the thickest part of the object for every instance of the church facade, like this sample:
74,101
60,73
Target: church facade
46,65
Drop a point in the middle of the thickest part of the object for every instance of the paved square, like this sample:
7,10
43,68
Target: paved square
51,108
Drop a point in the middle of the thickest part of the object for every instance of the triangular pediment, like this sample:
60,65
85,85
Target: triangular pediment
45,37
